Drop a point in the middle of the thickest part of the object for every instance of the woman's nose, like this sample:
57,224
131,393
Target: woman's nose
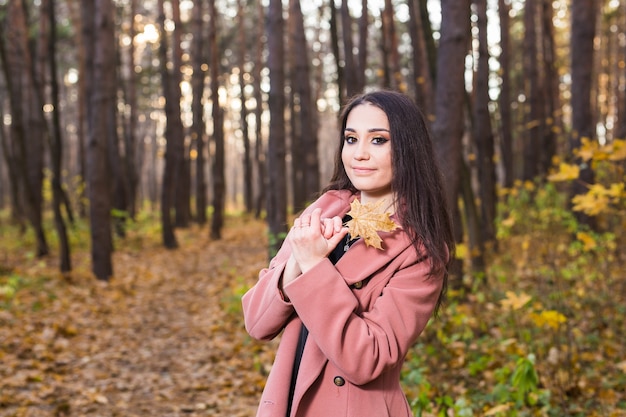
361,151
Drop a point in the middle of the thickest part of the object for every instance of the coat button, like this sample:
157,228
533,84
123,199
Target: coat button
339,381
358,285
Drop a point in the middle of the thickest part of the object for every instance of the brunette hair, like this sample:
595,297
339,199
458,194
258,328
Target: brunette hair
417,181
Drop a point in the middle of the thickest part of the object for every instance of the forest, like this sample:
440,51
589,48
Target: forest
154,153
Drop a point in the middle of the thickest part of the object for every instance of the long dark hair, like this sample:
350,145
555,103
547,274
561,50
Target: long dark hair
417,180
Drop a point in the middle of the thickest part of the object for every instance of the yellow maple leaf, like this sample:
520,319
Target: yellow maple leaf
514,301
367,221
566,172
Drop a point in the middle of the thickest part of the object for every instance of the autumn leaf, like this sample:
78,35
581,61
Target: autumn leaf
367,221
566,172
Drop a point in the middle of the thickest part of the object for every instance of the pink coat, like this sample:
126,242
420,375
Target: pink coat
363,314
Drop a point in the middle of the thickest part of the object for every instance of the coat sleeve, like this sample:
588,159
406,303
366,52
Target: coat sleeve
364,345
265,311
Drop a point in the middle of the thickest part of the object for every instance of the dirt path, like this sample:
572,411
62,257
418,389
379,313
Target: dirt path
164,338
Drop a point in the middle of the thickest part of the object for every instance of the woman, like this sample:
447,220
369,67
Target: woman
349,312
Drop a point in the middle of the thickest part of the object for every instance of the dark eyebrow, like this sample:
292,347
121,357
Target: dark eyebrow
372,130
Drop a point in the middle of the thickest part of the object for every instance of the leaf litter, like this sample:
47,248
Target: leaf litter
164,338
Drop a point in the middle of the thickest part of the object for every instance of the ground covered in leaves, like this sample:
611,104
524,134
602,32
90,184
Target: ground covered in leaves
163,338
539,331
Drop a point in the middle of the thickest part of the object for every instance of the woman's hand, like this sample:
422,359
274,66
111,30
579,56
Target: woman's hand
313,238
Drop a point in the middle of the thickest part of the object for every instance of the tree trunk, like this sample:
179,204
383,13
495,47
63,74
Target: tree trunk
362,54
504,99
583,32
554,123
334,43
277,192
391,54
620,130
56,148
450,95
534,104
219,179
259,149
174,146
247,149
199,127
130,146
182,193
482,133
352,83
422,81
99,33
18,66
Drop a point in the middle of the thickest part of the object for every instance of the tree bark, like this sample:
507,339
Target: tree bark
583,31
277,192
199,127
482,132
352,83
422,81
450,94
245,134
56,148
101,87
259,149
219,179
504,99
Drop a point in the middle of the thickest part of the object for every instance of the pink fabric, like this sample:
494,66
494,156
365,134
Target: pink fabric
360,335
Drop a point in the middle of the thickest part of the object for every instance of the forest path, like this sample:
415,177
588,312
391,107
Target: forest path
164,338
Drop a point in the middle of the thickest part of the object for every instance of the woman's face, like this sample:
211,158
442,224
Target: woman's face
366,153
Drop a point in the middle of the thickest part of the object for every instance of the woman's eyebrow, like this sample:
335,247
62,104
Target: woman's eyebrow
374,129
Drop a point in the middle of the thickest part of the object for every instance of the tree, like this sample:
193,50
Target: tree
481,129
259,150
99,35
56,148
276,152
219,178
19,72
583,31
504,99
174,151
197,106
534,113
422,81
448,126
245,134
351,79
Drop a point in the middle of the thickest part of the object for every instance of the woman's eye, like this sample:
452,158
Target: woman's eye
350,139
379,140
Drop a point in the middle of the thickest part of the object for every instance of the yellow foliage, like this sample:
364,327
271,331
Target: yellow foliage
550,318
588,241
618,150
566,172
598,198
514,301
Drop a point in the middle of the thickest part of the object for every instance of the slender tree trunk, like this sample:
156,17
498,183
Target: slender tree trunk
182,193
504,99
173,147
219,178
535,117
352,83
583,32
334,41
277,193
482,133
391,54
363,37
247,149
101,87
620,130
199,127
130,146
18,65
422,81
448,126
259,150
56,148
554,124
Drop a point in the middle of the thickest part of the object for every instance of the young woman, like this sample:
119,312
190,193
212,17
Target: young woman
349,312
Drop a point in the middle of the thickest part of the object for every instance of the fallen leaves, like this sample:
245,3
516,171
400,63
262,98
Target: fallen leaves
367,220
